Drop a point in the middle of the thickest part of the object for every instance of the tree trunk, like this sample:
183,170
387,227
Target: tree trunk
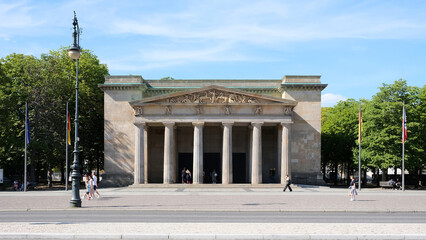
62,172
385,175
335,174
97,169
395,170
416,177
33,152
364,175
348,176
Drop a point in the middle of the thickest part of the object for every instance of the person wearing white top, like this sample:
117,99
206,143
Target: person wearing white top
95,184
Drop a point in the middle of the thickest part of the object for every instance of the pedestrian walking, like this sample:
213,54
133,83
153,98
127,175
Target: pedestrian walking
352,188
88,184
92,192
287,184
95,185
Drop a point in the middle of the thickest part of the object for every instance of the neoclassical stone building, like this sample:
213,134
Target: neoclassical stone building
248,131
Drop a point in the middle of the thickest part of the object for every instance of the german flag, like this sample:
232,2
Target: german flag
69,128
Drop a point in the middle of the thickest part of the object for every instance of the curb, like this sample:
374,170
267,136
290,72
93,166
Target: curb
210,236
215,210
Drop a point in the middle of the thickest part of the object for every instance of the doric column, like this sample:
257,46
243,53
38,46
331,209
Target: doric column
250,146
174,159
198,153
285,152
256,155
140,153
145,154
279,142
168,152
227,153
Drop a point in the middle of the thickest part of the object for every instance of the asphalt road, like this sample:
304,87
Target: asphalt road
111,216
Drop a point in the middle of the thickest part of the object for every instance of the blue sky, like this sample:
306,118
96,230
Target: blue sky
354,45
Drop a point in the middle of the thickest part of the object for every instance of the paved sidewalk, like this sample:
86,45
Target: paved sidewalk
303,198
223,199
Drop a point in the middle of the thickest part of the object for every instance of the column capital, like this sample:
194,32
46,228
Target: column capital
257,124
227,123
286,124
169,124
139,123
198,124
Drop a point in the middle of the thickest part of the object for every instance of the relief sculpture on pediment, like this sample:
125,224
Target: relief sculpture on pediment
213,96
138,111
288,110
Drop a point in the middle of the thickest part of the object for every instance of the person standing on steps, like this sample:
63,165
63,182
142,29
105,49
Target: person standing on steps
183,174
188,176
287,184
214,176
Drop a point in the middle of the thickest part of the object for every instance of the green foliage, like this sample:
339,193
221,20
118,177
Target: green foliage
47,84
382,145
339,132
167,78
382,129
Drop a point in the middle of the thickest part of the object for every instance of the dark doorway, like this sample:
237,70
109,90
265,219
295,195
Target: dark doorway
212,161
239,168
184,161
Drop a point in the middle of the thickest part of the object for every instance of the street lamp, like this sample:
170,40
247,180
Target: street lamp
74,52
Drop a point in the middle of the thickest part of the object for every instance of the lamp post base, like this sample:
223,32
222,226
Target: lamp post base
75,203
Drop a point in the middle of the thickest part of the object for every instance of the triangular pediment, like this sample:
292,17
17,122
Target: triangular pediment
213,95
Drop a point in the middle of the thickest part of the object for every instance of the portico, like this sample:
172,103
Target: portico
211,106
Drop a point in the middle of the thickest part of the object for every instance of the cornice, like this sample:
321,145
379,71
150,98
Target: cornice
159,91
122,86
304,86
260,90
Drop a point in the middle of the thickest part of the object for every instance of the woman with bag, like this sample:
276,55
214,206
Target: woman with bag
352,187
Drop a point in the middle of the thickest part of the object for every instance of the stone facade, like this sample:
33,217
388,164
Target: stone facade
247,130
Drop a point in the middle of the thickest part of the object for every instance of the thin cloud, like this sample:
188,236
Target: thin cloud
17,15
249,24
330,99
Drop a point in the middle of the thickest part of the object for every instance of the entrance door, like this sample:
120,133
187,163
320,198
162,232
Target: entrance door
184,161
212,161
239,168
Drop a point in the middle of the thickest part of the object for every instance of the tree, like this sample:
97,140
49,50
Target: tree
339,133
47,84
382,126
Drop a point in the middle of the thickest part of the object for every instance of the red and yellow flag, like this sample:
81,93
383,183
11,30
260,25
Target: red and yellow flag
69,128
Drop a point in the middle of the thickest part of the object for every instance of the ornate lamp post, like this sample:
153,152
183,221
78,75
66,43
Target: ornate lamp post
74,52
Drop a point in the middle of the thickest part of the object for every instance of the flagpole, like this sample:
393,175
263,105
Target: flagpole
66,150
403,145
359,147
26,140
